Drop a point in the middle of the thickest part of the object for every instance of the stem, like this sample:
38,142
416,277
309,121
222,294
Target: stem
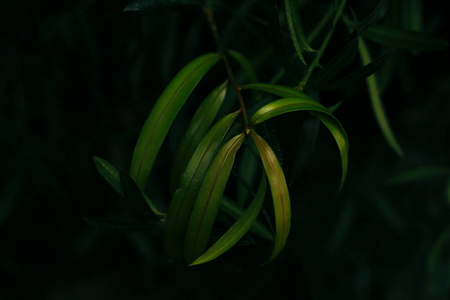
324,45
230,73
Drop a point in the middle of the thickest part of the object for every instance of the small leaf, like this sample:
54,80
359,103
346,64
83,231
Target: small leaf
208,200
286,105
146,4
236,211
109,173
296,29
238,230
163,113
405,39
121,225
199,125
335,65
418,174
183,200
245,64
279,90
377,104
280,193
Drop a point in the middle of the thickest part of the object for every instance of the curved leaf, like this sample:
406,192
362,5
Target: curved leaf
163,113
280,193
276,89
238,230
405,39
199,125
286,105
245,64
183,200
109,173
208,200
418,174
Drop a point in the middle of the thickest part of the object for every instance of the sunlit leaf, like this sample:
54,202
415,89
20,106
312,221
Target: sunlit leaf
208,200
238,230
377,104
146,4
279,90
183,200
163,113
121,225
418,174
245,64
280,193
109,173
405,39
306,103
199,125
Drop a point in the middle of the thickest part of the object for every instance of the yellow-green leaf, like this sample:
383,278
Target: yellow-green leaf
163,113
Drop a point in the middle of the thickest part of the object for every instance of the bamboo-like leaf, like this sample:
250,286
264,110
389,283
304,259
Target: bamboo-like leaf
199,125
280,193
109,173
146,4
335,65
208,200
163,113
405,39
238,230
286,105
183,200
236,211
377,104
376,15
418,174
296,29
279,90
120,225
245,64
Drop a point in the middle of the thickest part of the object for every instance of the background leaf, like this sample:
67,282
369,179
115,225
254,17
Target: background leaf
146,4
109,172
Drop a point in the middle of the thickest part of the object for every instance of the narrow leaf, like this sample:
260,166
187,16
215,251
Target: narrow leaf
109,173
286,105
245,64
146,4
280,193
208,200
418,174
183,200
279,90
296,29
238,230
405,39
120,225
199,125
377,104
236,211
376,15
163,113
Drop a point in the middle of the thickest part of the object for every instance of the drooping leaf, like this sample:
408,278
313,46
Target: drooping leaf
358,74
296,29
121,225
279,90
208,200
146,4
405,39
237,212
335,65
199,125
376,15
418,174
280,193
238,230
163,113
183,200
245,64
377,104
306,103
109,173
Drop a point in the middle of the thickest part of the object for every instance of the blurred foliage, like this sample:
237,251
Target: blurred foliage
78,78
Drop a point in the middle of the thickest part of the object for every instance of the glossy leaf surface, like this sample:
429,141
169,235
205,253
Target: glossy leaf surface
279,90
163,113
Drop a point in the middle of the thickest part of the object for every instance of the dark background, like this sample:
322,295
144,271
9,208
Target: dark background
78,79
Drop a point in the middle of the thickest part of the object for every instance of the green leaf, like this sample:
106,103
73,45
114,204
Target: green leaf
245,64
238,230
280,193
199,125
121,225
377,104
418,174
183,200
405,39
163,113
335,65
279,90
146,4
208,200
109,173
296,29
236,211
286,105
438,247
377,14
